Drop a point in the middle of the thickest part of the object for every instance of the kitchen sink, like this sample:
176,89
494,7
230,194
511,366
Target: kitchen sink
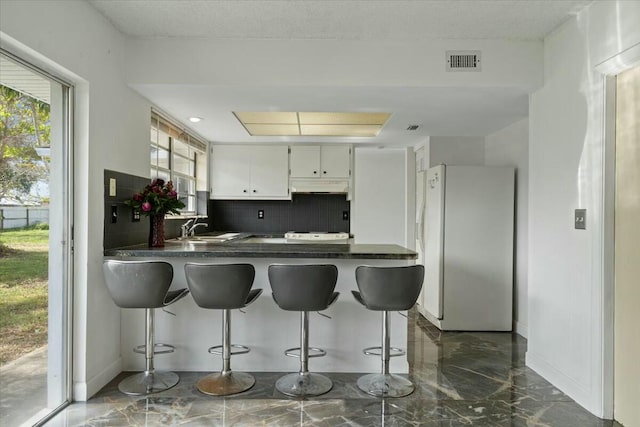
208,239
255,240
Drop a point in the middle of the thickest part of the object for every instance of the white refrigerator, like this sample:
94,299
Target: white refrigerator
465,225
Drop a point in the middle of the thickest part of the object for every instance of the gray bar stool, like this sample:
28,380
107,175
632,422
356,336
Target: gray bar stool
144,284
223,287
387,289
304,288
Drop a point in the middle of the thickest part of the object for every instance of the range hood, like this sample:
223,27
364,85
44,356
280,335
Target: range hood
333,186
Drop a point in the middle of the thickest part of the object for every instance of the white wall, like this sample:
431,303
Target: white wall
456,150
111,130
509,147
507,63
567,293
379,208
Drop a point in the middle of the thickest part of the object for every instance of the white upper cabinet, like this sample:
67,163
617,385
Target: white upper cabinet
249,172
326,161
335,161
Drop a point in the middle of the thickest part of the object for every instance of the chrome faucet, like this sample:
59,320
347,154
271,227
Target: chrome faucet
185,228
196,225
188,228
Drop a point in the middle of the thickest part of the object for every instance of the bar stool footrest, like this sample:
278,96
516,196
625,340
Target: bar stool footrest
217,349
142,349
377,351
313,352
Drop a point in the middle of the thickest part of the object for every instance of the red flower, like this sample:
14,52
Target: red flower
156,198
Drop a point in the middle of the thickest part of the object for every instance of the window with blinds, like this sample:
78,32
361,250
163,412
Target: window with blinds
178,156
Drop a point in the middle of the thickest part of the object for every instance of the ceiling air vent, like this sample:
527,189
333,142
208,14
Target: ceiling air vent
413,127
463,60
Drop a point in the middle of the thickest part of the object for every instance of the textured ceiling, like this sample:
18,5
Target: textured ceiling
339,19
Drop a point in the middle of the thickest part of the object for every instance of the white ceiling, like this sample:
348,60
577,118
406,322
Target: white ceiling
339,19
440,111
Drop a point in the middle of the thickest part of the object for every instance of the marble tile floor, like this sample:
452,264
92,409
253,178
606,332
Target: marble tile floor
462,379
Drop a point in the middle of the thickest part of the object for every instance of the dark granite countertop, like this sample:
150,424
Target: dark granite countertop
236,248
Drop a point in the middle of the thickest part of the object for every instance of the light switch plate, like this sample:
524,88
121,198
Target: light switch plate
580,219
112,187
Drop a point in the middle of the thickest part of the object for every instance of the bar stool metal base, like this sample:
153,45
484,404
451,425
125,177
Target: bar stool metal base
385,385
148,382
224,384
303,384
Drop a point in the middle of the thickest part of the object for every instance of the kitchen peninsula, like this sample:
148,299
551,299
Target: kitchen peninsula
266,329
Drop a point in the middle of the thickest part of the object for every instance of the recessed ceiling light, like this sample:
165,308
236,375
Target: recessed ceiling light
291,123
195,119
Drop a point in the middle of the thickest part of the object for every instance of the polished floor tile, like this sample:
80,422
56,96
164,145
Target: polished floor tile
462,379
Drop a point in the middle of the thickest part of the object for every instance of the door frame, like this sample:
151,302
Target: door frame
609,69
27,59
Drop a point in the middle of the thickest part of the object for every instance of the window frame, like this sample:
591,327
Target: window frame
196,152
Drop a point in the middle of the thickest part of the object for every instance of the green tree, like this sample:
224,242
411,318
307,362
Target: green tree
24,125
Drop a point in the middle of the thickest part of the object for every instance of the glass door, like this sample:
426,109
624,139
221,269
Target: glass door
35,243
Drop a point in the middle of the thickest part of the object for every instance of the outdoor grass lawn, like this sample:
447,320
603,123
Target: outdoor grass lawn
23,291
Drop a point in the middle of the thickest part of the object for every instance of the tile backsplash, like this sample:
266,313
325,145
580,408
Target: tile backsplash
305,212
125,231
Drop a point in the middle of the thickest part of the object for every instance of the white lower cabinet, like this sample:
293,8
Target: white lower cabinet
249,172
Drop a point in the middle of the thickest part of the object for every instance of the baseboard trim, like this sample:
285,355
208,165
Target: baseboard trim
522,329
83,391
569,386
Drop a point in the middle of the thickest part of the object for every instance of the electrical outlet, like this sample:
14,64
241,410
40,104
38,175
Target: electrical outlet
345,215
260,214
114,214
580,219
135,215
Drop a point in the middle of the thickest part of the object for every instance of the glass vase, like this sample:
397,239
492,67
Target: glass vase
156,231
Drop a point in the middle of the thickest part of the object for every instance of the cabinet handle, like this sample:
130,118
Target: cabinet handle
254,191
244,191
324,172
315,172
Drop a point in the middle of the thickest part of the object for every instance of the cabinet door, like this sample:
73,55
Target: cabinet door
305,162
230,171
269,171
335,161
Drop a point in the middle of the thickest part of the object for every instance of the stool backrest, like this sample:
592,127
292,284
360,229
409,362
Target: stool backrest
220,286
303,287
138,284
390,288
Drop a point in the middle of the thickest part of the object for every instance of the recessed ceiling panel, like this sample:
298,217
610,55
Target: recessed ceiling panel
340,130
259,129
312,118
311,123
267,117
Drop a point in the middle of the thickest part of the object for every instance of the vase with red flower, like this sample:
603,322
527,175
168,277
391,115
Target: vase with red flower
155,201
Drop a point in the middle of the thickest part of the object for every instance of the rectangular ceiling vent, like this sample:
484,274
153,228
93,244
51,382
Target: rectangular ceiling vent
463,60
